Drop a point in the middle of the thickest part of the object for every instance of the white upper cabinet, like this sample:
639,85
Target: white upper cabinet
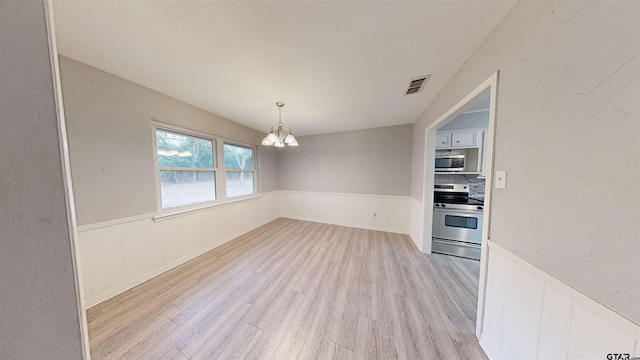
451,139
466,138
443,141
468,142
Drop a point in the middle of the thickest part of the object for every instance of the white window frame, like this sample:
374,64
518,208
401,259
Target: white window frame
254,170
157,168
218,169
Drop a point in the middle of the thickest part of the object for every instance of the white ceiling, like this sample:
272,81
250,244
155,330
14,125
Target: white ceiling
337,65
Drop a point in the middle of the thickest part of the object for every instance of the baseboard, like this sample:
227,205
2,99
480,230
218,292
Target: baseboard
374,212
349,224
120,254
124,287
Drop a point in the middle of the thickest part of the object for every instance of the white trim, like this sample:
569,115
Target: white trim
416,225
124,287
532,314
348,209
348,224
157,168
182,130
158,216
220,172
176,168
614,318
489,85
346,194
156,171
475,111
67,179
254,169
179,128
107,223
492,83
182,212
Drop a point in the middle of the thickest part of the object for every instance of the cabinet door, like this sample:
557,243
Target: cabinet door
442,141
463,139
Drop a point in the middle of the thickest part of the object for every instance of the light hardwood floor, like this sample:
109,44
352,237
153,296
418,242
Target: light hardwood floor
298,290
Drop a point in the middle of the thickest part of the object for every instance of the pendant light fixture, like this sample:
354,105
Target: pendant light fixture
279,136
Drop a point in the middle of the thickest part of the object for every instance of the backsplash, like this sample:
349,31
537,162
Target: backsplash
476,186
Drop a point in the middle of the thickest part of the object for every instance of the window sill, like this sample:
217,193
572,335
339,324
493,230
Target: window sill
173,213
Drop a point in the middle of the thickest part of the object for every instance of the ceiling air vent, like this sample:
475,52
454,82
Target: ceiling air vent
415,85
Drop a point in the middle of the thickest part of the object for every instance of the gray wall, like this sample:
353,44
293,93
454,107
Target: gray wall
374,161
568,136
39,316
110,141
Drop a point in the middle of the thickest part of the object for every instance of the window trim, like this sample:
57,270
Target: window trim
219,170
254,169
157,168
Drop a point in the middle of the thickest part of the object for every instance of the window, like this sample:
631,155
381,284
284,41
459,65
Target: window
239,167
186,168
195,169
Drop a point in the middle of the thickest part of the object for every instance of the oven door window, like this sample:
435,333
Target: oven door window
461,221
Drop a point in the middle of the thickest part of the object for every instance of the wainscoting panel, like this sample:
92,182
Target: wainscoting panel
417,223
118,255
521,315
531,315
593,338
494,305
392,213
555,325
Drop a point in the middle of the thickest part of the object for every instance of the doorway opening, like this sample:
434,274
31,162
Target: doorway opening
477,171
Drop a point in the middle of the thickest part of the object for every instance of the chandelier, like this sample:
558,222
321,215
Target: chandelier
279,136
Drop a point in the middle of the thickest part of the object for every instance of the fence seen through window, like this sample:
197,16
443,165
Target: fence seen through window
239,166
186,166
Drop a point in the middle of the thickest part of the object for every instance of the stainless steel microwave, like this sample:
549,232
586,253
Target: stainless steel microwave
450,162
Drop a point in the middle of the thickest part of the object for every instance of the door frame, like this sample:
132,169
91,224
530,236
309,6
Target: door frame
488,87
66,164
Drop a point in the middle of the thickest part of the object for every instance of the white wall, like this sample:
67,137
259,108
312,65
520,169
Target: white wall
112,163
39,310
109,122
118,255
567,133
354,178
375,212
532,315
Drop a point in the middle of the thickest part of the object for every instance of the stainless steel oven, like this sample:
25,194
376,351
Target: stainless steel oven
457,222
457,232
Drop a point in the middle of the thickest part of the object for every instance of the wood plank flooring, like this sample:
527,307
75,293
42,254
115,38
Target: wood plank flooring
298,290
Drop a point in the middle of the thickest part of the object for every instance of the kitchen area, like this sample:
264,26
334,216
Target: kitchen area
459,184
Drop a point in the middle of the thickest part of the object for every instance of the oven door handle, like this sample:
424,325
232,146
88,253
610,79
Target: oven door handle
460,212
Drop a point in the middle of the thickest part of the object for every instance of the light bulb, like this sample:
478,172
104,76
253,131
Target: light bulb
266,141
